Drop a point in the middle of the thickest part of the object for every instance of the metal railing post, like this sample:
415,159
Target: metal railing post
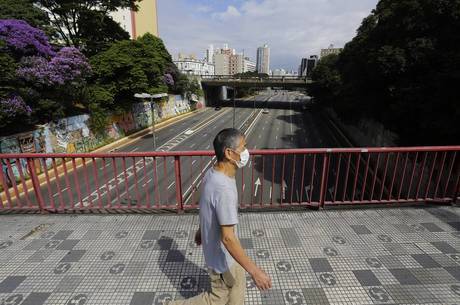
179,197
36,184
324,178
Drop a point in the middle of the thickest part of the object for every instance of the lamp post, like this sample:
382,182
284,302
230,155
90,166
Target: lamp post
145,96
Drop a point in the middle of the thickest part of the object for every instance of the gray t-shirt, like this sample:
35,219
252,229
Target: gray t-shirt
218,206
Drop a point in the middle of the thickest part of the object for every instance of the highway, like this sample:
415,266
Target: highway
267,180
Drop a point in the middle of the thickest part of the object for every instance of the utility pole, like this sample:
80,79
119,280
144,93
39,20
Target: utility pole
153,123
234,106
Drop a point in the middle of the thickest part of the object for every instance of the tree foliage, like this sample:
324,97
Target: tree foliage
132,66
26,11
86,24
401,69
37,84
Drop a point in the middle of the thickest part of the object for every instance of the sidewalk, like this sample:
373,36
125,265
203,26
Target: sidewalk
359,256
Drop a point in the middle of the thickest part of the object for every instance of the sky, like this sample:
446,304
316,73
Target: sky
292,28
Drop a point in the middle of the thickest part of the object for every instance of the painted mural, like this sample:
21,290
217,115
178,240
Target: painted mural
73,135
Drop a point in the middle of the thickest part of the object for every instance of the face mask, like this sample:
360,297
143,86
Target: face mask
244,158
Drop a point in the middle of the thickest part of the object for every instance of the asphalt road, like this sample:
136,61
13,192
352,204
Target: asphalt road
146,182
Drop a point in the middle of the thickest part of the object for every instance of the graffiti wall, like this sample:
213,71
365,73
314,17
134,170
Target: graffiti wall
73,135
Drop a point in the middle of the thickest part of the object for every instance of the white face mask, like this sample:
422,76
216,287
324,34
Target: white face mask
244,158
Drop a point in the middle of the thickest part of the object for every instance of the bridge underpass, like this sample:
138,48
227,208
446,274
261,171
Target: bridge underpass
220,88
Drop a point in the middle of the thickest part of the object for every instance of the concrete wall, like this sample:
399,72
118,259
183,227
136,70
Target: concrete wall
73,135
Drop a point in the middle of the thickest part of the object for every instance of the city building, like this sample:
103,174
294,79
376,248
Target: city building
188,64
311,64
279,72
236,64
222,64
330,50
263,59
210,54
307,65
249,66
303,67
138,23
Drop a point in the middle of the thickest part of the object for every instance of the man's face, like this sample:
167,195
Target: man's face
234,154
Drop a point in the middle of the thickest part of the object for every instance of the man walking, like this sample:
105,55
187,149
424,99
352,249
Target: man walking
223,253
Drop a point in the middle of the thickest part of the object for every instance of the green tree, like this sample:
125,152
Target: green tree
24,10
402,69
86,24
129,67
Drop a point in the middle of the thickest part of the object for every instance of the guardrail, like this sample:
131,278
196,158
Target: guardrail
273,178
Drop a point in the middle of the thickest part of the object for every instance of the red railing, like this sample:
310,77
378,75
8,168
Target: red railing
273,178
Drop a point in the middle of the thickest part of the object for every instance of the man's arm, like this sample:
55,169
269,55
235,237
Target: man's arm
232,244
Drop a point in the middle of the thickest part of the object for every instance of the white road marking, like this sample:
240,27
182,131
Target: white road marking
276,137
209,145
171,185
257,183
106,165
270,192
135,149
193,162
193,145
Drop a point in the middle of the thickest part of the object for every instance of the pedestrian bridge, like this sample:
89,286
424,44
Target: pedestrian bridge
273,179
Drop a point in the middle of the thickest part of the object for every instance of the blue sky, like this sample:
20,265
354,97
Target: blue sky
292,28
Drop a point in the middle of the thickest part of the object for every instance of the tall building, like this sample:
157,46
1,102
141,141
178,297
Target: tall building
236,64
249,66
307,65
263,59
311,64
330,50
138,23
210,54
303,67
222,64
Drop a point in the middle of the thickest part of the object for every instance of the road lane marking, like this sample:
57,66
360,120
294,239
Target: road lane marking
135,149
106,165
171,185
193,145
193,162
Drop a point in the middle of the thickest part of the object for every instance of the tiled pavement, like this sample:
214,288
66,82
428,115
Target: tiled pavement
372,256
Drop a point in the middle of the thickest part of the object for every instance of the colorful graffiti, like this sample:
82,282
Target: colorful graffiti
73,135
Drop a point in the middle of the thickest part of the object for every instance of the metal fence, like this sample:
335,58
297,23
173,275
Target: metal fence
272,179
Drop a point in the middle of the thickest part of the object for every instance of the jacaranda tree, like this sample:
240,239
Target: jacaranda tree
39,83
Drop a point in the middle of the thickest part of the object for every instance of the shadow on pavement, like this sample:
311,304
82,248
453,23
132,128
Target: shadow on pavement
185,276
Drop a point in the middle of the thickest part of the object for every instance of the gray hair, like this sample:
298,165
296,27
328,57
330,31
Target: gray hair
226,138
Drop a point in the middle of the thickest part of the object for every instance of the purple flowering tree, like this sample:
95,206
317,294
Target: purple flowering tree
23,39
13,107
69,66
44,80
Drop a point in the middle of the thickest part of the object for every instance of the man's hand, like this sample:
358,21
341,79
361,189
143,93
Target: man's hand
262,280
198,237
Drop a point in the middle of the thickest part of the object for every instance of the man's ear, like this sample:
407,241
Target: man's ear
227,153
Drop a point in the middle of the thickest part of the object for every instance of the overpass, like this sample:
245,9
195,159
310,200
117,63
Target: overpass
255,82
215,86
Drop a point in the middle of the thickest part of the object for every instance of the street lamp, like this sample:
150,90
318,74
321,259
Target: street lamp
145,96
